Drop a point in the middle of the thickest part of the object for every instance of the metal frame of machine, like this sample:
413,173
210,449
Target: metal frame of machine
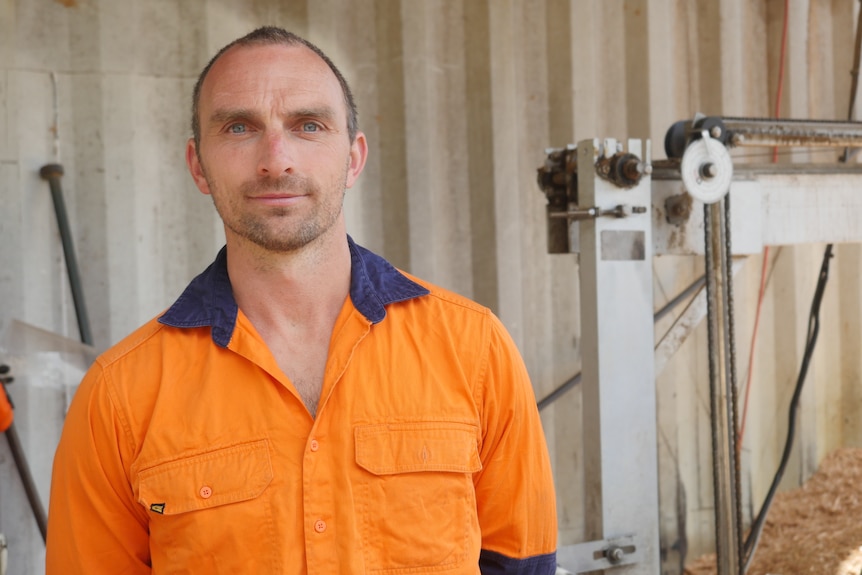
617,209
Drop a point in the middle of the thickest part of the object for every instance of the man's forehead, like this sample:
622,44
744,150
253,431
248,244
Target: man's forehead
254,49
276,66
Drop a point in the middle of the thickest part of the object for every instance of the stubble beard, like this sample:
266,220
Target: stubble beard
271,230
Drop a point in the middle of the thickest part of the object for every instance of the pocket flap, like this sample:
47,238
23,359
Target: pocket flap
389,448
213,478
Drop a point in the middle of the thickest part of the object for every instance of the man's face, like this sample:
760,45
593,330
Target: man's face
274,149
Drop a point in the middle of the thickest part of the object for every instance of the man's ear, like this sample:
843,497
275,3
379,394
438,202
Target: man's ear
193,161
358,155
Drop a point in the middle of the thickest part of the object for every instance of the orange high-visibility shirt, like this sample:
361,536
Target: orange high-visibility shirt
187,450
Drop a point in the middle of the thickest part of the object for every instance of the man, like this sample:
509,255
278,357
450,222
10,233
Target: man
303,407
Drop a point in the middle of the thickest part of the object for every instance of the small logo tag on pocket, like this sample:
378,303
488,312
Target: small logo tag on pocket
158,508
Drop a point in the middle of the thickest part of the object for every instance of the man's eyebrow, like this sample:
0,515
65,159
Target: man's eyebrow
322,113
227,115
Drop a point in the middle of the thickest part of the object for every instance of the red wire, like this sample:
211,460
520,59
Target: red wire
780,87
765,248
751,351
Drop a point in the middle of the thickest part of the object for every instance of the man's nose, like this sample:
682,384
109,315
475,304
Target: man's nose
276,158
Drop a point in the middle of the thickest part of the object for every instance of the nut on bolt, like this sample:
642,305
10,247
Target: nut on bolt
708,170
678,208
633,169
614,554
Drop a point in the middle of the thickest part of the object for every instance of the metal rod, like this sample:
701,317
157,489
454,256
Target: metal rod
52,173
669,169
681,297
666,309
813,133
27,479
557,393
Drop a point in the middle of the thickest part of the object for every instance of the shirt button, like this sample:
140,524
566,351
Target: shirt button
314,446
320,525
206,492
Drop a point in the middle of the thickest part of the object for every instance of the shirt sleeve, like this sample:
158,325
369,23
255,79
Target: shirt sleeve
515,488
95,527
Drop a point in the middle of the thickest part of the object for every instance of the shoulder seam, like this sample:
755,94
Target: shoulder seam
125,346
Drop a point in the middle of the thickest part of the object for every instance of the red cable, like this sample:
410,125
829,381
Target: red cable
780,87
751,351
765,248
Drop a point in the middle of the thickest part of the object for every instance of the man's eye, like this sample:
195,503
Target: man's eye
310,127
237,128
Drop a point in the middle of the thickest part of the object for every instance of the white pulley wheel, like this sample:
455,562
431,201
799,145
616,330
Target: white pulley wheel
706,170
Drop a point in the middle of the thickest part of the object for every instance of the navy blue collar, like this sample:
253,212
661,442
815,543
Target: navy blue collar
208,300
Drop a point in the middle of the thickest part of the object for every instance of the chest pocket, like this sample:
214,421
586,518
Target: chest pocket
417,502
210,505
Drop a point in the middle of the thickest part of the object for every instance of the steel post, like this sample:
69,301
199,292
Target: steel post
53,173
619,395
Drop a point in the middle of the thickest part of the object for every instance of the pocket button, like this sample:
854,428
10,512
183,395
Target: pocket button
320,526
206,492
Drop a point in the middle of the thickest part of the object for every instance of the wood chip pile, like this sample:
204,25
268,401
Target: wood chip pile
816,528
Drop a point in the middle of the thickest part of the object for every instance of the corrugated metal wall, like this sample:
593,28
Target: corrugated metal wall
459,99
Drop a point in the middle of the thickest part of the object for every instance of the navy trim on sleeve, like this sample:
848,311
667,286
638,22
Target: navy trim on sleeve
493,563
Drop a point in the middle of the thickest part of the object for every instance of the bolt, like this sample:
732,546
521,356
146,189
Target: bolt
708,170
614,555
621,211
643,168
633,169
715,132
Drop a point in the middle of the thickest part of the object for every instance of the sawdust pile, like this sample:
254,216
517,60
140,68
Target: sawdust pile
816,528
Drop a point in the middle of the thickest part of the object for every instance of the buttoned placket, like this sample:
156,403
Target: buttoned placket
318,492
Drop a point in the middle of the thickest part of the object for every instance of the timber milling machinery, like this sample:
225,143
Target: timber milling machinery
617,209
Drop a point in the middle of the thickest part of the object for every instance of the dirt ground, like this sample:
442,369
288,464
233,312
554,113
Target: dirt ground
816,528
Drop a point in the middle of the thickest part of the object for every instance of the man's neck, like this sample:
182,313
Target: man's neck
293,301
299,289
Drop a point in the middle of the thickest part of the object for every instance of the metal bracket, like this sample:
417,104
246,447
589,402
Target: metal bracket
596,555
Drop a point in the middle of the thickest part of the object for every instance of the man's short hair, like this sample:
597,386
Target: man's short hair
268,35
